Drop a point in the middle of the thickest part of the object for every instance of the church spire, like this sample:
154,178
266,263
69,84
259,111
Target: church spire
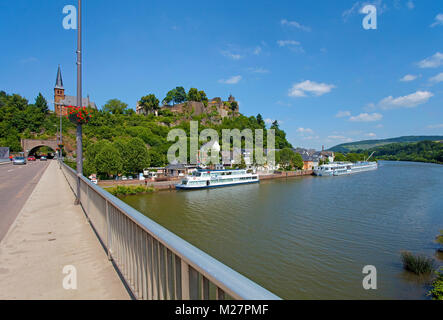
59,81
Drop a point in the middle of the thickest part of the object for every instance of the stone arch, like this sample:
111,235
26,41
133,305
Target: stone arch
29,144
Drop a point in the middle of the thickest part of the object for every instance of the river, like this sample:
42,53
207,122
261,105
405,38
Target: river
310,237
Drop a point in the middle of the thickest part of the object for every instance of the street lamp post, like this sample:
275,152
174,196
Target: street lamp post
60,129
79,100
60,153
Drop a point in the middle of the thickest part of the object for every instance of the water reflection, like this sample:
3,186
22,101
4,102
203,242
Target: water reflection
309,237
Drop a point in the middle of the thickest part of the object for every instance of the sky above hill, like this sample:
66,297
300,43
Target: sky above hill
308,64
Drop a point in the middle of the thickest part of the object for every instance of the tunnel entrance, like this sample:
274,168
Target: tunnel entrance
41,151
29,146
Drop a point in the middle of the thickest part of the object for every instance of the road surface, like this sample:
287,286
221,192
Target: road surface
16,185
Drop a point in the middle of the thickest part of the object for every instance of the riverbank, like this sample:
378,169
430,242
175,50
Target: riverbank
407,160
170,184
286,174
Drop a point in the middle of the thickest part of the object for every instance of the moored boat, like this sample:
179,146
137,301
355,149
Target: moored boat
202,179
342,168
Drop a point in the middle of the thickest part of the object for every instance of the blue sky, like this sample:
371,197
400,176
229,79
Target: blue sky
309,64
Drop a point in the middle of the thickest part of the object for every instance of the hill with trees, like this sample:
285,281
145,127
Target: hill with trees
116,140
423,151
368,144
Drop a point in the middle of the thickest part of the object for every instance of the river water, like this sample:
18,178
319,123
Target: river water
310,237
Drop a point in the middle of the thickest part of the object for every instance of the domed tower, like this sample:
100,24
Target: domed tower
59,93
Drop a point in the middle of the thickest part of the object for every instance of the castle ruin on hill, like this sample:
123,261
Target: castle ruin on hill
223,108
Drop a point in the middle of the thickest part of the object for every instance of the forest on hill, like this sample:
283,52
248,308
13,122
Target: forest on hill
115,132
368,144
423,151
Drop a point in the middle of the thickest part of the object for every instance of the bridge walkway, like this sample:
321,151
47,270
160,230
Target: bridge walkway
50,234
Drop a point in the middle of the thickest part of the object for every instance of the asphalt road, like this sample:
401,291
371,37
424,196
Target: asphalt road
16,185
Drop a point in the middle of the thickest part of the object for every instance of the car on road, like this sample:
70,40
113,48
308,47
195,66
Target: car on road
19,160
31,158
124,178
43,158
130,178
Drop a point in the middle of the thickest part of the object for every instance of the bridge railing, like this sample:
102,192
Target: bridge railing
154,262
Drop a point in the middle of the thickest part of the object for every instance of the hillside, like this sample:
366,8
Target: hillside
119,131
368,144
423,151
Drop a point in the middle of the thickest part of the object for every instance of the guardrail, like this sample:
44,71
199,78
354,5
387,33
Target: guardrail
154,262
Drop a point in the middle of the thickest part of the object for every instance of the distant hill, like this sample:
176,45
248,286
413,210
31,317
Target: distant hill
368,144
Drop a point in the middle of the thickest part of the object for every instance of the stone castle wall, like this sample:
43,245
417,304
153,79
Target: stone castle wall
198,108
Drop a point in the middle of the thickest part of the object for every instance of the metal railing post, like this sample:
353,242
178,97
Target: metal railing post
220,295
77,199
154,262
88,200
185,281
108,231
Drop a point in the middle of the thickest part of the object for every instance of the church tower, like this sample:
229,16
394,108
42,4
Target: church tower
59,93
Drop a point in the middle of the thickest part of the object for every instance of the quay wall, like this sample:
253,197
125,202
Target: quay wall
170,184
286,174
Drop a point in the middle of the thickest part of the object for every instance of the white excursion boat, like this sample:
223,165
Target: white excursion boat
201,179
341,168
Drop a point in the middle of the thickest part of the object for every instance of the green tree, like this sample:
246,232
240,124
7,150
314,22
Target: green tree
260,120
339,157
94,149
169,97
354,157
12,141
193,95
234,105
179,95
34,117
41,103
275,125
149,103
115,106
203,97
280,136
120,145
89,167
156,158
242,164
109,161
287,157
298,161
136,157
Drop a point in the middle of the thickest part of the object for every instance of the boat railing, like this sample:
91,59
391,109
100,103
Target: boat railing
154,262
